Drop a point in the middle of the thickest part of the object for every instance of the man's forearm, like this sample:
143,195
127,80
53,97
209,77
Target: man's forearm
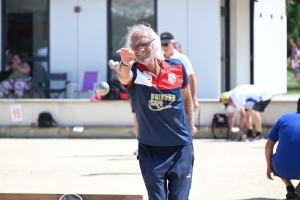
189,110
188,107
123,73
193,85
269,152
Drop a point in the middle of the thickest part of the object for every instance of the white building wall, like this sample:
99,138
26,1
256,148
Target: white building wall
92,37
270,45
196,25
63,38
78,40
204,45
239,43
172,17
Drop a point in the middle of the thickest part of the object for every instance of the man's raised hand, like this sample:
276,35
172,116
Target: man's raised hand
127,56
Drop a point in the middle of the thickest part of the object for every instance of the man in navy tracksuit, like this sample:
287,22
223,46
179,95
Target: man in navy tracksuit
161,98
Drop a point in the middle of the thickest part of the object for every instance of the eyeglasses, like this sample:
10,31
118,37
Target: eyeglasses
141,45
164,44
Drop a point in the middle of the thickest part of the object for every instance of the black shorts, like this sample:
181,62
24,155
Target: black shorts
261,105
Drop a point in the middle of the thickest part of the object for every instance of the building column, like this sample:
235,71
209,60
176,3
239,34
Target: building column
239,43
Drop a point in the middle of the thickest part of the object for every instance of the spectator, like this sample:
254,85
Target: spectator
295,62
18,78
161,98
285,163
248,100
169,52
290,52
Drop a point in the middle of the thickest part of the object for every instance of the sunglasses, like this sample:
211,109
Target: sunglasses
141,45
164,44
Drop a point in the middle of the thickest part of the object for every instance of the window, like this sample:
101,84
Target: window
26,31
124,13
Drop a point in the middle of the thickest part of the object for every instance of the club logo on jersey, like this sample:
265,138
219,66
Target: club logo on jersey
159,102
171,78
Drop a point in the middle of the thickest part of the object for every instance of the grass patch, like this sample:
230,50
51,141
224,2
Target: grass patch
292,84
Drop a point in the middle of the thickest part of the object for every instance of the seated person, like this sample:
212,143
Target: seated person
285,163
17,81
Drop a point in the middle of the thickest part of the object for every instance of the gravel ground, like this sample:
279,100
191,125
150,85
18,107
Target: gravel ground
223,169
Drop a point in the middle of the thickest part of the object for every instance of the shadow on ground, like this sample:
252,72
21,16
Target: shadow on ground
260,198
105,174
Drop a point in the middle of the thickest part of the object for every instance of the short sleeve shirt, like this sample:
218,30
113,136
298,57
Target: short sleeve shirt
248,94
16,73
185,61
286,160
159,106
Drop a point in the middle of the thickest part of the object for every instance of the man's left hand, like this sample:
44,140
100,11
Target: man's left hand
196,105
194,131
269,172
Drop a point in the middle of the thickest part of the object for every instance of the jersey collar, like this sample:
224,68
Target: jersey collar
162,64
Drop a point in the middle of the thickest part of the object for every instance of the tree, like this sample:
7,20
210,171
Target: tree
293,19
293,23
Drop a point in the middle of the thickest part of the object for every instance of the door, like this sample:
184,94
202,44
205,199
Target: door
124,13
225,62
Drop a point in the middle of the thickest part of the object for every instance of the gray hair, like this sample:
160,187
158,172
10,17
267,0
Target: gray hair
136,28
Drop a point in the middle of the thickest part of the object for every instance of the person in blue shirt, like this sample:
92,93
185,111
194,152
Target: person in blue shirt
285,163
160,96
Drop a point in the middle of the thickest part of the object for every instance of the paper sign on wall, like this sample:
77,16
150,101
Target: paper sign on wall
16,113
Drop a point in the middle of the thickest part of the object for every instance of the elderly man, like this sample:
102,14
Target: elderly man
248,100
167,45
161,98
285,163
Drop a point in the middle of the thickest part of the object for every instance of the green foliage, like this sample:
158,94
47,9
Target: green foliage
293,19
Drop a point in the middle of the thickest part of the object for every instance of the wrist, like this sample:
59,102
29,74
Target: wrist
124,64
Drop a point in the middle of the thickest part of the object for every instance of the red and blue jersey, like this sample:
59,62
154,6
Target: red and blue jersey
159,105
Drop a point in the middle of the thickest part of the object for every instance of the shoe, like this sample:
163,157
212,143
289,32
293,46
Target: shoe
257,138
136,152
241,139
291,195
298,190
250,137
231,138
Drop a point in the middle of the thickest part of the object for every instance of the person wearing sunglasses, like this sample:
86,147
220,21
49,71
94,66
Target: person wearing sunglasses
169,52
160,95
